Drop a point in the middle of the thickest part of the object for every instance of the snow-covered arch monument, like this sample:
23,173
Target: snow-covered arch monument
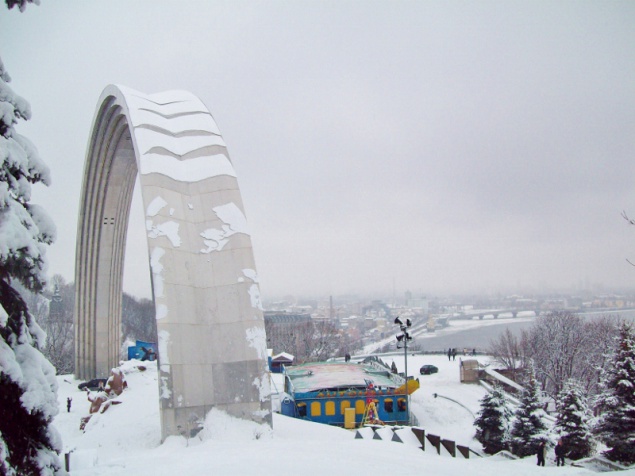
212,346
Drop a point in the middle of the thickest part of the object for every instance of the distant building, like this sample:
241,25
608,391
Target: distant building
418,303
281,326
408,296
286,318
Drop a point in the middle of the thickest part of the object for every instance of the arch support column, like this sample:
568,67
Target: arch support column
212,346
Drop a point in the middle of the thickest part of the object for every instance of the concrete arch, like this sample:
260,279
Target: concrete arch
212,346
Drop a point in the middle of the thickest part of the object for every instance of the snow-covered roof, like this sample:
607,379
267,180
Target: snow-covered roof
317,376
503,379
283,356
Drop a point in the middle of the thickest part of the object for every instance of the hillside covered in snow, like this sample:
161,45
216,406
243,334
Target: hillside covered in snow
126,438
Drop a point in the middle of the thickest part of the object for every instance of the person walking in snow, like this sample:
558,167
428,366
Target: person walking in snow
449,353
68,404
542,450
559,453
453,353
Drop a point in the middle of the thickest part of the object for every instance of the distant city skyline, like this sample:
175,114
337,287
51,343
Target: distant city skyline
441,147
464,299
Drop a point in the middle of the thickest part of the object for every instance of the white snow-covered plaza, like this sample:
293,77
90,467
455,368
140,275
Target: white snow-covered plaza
127,438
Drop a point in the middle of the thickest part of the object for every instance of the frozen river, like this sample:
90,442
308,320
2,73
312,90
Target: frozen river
477,334
470,334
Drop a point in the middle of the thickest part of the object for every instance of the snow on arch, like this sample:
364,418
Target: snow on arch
171,141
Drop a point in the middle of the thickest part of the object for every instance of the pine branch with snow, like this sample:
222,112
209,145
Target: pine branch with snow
28,390
616,424
572,421
21,4
493,420
529,429
25,228
29,444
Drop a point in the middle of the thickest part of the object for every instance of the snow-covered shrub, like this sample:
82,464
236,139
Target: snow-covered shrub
616,403
492,421
529,429
572,422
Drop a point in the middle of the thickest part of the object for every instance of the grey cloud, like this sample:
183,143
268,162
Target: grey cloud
448,146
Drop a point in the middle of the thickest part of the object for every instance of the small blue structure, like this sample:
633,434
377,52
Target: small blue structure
279,362
322,392
143,351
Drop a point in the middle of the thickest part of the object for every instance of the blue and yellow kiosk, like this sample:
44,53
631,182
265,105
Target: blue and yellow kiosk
336,392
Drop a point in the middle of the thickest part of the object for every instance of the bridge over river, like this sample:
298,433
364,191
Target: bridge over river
495,313
487,328
444,319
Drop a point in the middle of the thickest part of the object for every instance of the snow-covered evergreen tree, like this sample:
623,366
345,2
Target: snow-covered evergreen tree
492,421
572,422
21,4
528,428
616,425
29,445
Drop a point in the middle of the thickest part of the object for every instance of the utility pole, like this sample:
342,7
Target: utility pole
405,337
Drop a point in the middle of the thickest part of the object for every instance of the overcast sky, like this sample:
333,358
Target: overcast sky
437,147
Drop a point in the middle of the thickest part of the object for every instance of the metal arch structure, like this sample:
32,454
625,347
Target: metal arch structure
212,345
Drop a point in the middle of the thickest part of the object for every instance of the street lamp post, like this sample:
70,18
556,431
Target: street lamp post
404,337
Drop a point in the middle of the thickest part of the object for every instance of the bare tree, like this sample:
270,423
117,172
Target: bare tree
601,335
306,341
348,345
507,350
59,327
630,222
564,346
282,337
138,319
53,310
321,340
557,344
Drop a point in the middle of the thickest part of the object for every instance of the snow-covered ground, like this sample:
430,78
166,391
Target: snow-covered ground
126,439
